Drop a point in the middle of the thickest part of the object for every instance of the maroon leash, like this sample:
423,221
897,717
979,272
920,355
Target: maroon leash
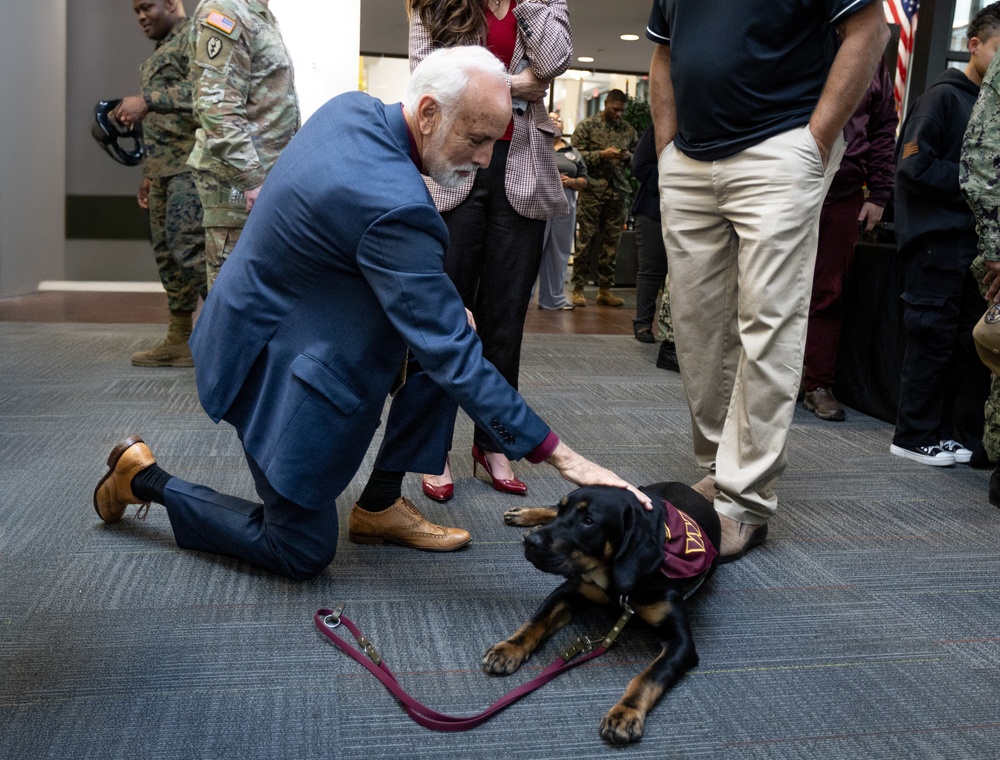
327,620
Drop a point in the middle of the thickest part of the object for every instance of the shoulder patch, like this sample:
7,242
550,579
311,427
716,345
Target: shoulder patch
221,21
910,149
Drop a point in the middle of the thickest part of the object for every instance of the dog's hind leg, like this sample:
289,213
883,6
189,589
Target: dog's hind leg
625,722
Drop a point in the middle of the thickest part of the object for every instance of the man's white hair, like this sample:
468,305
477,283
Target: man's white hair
444,75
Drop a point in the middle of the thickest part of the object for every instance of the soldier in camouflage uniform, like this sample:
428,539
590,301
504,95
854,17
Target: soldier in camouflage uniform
245,103
979,177
606,142
168,190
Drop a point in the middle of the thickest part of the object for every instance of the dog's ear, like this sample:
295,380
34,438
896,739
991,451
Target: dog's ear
640,551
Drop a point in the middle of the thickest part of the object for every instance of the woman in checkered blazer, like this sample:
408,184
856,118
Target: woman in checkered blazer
496,218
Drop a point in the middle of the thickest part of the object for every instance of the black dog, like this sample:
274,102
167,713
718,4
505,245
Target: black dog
609,547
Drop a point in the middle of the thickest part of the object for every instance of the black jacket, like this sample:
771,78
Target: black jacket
928,198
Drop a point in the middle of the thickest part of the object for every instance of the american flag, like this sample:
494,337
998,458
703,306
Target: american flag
904,14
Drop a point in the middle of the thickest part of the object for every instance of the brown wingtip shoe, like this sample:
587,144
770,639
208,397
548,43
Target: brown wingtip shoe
403,524
114,492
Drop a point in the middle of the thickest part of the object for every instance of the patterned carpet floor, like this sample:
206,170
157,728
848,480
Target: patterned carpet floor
867,626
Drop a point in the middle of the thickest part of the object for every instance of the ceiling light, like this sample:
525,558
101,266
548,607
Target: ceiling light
585,59
629,37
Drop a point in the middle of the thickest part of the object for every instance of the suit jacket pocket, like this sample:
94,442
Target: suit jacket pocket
321,379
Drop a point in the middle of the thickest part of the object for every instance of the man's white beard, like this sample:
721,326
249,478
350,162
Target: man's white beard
447,175
444,173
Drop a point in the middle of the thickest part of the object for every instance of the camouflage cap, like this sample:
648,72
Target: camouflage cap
986,334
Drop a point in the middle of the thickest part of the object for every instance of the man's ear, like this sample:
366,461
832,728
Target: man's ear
640,552
428,114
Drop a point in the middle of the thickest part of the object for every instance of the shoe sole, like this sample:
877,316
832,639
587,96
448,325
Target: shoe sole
113,457
921,458
360,538
756,540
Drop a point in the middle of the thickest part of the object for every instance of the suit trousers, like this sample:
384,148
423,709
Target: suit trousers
838,236
492,258
277,535
740,234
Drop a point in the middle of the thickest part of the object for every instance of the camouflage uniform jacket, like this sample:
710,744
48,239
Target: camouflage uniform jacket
244,92
168,129
531,180
594,134
979,166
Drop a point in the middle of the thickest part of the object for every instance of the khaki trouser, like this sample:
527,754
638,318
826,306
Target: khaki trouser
741,235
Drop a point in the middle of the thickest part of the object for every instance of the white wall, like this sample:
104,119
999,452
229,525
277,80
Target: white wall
324,40
32,133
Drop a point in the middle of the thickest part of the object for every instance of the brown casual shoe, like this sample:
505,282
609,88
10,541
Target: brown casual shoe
606,298
402,524
706,487
114,493
738,538
577,298
825,406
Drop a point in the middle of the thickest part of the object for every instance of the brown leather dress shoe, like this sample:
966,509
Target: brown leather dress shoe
738,538
114,492
403,524
824,405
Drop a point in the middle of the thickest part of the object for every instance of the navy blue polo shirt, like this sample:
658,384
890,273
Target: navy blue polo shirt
745,70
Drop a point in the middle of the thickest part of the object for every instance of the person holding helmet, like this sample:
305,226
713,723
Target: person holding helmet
163,108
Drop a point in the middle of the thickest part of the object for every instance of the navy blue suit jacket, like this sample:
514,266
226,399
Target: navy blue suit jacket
338,270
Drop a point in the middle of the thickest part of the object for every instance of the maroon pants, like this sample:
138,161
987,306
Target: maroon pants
838,234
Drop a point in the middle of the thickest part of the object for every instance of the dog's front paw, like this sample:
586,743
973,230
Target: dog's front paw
623,725
529,517
504,658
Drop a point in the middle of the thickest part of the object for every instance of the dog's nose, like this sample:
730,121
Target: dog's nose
532,539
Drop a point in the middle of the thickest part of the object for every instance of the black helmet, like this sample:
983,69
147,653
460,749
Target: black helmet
107,132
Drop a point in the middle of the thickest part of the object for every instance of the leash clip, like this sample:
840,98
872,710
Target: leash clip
581,646
333,619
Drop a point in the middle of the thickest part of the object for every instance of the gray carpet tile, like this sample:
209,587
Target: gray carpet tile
866,626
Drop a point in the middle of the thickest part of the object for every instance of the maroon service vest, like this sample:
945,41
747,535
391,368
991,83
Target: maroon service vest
687,551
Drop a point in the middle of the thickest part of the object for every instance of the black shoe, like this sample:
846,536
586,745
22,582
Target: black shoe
995,488
667,358
644,335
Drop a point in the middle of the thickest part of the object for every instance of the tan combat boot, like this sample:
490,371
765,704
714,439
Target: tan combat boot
577,298
173,351
607,298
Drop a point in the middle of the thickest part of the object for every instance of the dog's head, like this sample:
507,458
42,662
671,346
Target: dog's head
602,534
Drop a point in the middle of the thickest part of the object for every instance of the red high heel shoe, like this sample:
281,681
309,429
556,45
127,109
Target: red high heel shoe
513,485
438,493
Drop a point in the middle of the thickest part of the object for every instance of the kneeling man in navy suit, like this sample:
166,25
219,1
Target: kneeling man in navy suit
337,279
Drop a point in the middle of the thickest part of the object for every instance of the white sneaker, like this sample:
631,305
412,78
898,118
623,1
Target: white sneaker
962,455
932,455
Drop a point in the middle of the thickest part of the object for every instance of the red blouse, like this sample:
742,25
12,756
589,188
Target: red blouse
501,35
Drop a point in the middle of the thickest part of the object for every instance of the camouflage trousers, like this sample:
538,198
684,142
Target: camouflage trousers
663,318
991,410
598,215
225,214
178,240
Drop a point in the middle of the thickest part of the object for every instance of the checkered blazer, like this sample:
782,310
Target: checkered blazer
532,181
